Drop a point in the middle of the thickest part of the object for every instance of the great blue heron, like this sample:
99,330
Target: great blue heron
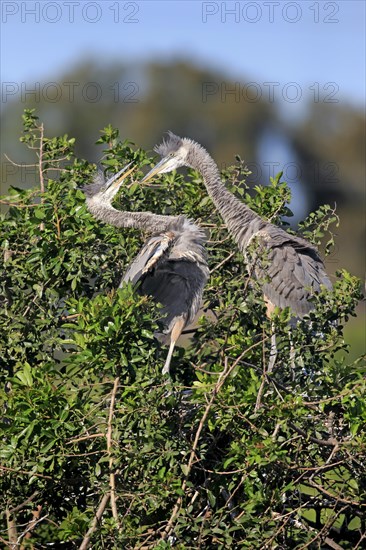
171,266
288,266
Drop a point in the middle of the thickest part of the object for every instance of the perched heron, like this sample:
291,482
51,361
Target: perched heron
171,266
289,268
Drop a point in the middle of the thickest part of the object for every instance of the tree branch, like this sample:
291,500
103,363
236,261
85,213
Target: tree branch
97,517
112,479
41,176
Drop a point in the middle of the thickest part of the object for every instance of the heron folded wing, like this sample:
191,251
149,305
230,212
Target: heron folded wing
293,276
149,256
164,243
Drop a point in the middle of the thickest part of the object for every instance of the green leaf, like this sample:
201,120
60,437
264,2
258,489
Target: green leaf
25,375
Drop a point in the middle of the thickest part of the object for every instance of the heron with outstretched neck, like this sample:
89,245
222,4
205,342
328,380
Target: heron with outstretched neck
291,270
171,266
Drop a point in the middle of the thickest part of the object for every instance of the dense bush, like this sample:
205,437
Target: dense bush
98,450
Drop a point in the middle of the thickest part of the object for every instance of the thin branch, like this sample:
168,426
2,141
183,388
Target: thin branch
97,517
112,479
41,176
325,528
220,241
29,305
358,545
222,226
223,262
300,525
6,542
20,165
65,317
331,442
335,497
222,378
84,438
23,504
18,205
69,455
84,545
12,529
24,472
263,381
40,157
316,469
32,524
338,396
58,225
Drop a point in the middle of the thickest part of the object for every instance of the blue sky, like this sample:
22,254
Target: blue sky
317,45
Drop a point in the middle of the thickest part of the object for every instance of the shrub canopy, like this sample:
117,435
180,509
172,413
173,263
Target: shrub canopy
98,450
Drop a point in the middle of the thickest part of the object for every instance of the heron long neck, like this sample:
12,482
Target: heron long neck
147,221
241,221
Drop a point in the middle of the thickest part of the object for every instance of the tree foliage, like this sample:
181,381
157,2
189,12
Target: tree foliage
98,450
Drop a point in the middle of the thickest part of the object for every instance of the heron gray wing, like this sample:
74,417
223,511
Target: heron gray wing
293,276
173,274
150,254
177,285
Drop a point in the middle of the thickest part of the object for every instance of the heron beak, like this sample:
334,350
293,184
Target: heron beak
158,168
116,179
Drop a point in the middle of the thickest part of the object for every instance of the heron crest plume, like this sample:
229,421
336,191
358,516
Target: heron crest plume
186,152
178,148
169,145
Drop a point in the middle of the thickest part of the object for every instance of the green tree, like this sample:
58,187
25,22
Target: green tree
98,451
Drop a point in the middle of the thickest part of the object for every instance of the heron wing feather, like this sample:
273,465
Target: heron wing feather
151,253
293,275
173,273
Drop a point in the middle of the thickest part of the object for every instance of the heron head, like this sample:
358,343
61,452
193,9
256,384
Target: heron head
106,190
174,152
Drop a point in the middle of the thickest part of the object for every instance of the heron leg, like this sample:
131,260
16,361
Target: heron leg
273,352
176,332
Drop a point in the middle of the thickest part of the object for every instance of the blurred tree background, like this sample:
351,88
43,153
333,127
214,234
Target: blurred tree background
324,146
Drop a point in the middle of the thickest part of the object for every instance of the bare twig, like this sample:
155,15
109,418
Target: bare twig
24,472
112,479
331,442
84,454
317,468
222,378
32,524
326,527
58,225
23,504
41,176
84,545
336,497
222,226
29,305
8,203
300,525
12,529
84,438
65,317
40,157
223,262
22,165
263,381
